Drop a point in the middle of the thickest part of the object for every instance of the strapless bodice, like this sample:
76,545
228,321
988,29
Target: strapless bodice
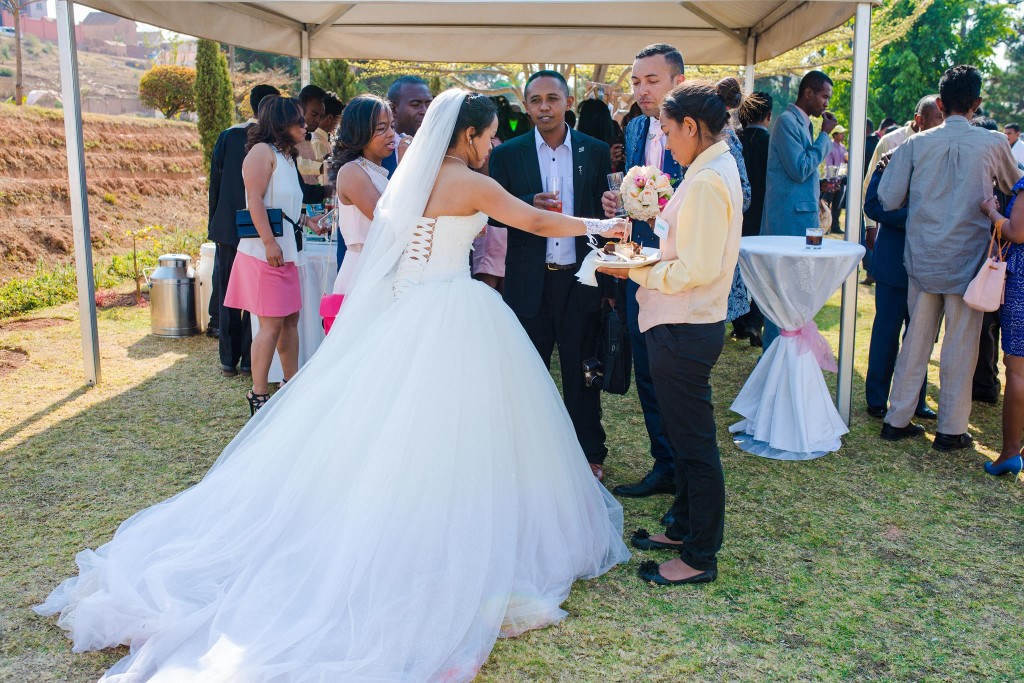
438,250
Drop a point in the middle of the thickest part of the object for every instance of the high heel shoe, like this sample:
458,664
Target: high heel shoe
256,401
1012,466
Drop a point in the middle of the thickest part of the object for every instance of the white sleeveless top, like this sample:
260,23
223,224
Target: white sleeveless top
285,193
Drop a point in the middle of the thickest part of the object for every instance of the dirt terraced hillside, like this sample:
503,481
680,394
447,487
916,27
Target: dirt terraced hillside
139,172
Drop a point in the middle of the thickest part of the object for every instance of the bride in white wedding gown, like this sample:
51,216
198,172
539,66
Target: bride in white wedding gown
415,492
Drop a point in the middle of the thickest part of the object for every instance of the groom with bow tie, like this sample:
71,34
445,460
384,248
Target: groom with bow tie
540,273
656,70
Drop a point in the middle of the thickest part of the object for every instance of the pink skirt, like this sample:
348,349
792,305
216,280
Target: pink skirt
263,290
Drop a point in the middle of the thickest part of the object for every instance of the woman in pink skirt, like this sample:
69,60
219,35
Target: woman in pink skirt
265,277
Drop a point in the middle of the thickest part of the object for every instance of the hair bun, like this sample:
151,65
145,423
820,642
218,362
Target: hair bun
729,91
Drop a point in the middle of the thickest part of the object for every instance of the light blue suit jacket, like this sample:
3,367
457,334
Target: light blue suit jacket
791,191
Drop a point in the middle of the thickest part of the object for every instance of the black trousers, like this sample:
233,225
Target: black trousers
234,326
682,357
562,321
986,374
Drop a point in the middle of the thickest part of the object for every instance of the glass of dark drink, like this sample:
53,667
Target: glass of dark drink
814,238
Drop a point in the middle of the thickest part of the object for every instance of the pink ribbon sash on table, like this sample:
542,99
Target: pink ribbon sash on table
810,340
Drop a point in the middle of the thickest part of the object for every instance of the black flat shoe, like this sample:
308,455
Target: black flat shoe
890,433
650,485
926,413
952,442
877,411
641,540
649,571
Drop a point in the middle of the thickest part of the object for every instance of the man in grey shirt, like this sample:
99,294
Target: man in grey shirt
942,175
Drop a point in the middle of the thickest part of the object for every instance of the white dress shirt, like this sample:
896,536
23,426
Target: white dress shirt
655,136
1018,151
558,162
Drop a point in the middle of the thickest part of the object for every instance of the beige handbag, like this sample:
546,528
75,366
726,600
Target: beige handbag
985,293
824,216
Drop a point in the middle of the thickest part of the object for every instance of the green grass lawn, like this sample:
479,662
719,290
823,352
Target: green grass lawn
881,562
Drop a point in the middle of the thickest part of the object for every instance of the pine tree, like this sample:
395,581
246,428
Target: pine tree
335,75
214,103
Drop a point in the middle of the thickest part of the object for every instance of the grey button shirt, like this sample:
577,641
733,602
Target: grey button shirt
942,175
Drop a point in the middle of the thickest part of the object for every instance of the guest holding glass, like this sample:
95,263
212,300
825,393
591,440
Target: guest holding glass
683,303
264,276
366,136
1012,312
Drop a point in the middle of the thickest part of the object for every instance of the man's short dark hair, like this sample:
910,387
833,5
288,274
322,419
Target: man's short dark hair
257,94
396,88
870,126
755,108
671,54
333,106
925,103
985,122
959,88
886,122
310,93
813,80
547,73
1013,127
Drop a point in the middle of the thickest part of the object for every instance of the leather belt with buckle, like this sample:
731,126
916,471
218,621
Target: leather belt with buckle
559,266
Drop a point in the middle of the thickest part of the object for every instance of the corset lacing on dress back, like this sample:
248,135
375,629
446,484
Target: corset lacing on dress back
438,251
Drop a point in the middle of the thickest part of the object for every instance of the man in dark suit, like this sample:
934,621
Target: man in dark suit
540,273
755,116
227,196
656,70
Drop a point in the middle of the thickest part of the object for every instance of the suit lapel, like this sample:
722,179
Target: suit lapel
531,163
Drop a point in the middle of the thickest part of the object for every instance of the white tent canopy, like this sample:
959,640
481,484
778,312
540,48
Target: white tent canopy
569,31
496,31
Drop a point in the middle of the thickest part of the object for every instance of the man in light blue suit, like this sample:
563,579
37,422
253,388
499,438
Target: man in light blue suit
794,154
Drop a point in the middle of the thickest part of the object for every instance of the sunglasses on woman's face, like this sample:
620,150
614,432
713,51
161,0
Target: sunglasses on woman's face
301,122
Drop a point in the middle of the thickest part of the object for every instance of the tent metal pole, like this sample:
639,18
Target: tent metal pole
854,208
748,70
304,58
72,102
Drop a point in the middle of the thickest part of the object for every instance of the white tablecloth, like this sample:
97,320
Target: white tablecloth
788,410
320,266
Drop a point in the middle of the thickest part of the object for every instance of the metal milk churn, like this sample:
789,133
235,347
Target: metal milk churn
173,297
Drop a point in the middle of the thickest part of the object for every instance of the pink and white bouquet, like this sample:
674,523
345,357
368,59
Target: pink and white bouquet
645,192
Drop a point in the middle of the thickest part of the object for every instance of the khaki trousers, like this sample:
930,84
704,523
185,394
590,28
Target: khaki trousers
957,361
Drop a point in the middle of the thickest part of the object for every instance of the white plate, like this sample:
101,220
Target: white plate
650,254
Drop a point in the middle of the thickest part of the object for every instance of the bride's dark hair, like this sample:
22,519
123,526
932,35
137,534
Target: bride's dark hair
478,112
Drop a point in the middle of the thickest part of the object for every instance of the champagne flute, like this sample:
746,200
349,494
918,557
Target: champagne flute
553,184
615,185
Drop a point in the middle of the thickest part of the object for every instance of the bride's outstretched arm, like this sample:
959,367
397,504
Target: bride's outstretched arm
492,199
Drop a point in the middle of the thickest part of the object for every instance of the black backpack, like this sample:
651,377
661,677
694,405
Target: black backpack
612,368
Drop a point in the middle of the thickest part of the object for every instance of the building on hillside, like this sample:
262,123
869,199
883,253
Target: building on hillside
35,10
99,27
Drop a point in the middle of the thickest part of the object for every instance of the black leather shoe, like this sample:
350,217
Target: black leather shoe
756,340
650,485
877,411
952,442
890,433
668,519
649,571
641,540
926,413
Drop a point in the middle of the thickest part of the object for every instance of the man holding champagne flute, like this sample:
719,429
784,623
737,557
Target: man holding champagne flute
557,169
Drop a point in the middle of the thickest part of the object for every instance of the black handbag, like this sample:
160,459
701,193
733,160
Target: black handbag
247,229
612,369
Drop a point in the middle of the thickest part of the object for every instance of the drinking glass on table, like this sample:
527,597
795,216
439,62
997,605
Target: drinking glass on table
814,237
615,185
553,185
